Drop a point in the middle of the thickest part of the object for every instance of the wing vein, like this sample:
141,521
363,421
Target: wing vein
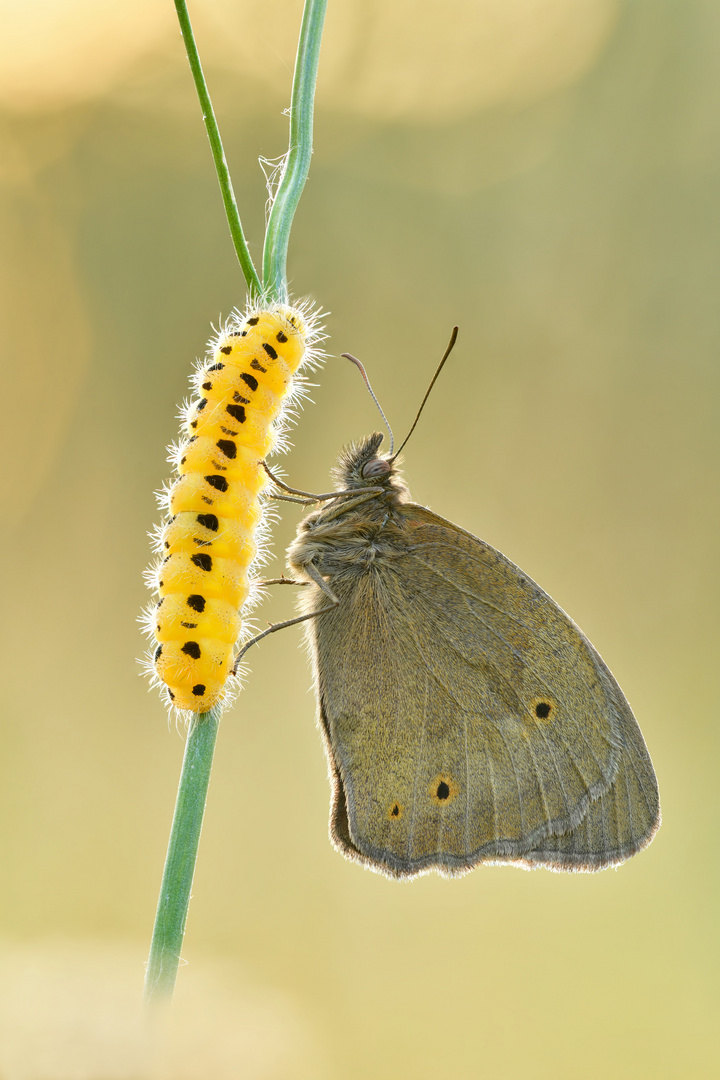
491,784
541,785
418,766
481,599
517,780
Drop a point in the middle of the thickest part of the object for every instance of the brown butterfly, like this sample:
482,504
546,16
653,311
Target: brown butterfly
466,718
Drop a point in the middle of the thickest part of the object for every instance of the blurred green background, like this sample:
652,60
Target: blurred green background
546,175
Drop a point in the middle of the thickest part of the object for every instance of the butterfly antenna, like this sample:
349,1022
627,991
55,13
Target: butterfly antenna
441,365
354,360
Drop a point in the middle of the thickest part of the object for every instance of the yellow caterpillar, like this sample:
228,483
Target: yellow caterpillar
215,529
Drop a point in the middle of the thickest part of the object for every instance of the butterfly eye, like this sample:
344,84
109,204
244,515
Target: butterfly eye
376,467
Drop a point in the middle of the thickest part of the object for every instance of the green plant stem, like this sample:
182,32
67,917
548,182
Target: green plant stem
223,174
172,909
179,869
297,163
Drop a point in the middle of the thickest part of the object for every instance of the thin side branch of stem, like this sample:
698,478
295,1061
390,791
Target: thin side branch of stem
177,879
297,164
218,154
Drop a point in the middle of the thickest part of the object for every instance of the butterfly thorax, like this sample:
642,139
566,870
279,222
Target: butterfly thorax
354,531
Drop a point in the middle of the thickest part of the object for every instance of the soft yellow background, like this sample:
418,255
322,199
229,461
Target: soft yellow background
543,172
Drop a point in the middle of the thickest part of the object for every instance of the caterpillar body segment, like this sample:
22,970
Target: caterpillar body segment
214,532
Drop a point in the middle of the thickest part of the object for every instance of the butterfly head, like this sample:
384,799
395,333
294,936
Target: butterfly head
360,466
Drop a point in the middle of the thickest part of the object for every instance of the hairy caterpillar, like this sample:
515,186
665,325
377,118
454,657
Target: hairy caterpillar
215,529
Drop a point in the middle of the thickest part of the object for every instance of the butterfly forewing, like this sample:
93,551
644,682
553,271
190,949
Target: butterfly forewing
466,717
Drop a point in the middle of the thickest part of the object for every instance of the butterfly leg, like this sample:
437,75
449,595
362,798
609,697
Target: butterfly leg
281,581
319,580
307,497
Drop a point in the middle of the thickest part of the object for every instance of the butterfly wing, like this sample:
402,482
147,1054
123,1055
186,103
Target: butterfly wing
622,820
468,719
